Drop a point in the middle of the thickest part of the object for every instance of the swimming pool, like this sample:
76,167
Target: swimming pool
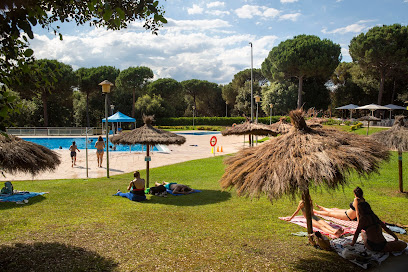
199,133
66,142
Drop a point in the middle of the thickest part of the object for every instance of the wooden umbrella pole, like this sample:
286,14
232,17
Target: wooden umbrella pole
147,165
400,171
368,127
308,211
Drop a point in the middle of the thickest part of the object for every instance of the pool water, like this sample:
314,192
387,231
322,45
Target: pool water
65,143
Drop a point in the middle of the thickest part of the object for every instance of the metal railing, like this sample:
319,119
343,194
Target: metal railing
52,131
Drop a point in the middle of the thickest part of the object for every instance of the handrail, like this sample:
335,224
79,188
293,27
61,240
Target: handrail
52,131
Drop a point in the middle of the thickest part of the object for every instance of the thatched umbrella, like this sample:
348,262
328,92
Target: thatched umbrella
304,157
249,128
368,118
395,138
149,136
281,127
18,155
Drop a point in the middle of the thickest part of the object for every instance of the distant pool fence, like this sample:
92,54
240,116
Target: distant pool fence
53,131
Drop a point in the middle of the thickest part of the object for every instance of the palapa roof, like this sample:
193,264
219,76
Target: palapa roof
303,157
147,134
369,118
249,128
281,127
18,155
394,138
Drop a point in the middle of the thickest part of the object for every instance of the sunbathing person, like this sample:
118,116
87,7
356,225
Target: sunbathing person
343,214
373,237
176,188
316,221
136,187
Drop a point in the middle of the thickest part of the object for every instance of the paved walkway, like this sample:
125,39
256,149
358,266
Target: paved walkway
195,147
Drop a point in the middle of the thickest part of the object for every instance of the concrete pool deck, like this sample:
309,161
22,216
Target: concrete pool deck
195,147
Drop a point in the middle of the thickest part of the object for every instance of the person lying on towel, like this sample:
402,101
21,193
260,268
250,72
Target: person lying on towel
176,188
373,226
316,221
343,214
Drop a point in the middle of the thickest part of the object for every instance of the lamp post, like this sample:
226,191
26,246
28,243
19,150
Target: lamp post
193,116
226,109
270,115
106,85
257,100
252,94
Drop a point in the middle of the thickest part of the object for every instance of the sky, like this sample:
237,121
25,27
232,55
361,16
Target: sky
209,40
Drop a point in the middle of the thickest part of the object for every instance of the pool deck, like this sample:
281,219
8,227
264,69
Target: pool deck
195,147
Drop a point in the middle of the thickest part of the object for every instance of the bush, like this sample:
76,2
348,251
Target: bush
332,122
356,126
209,121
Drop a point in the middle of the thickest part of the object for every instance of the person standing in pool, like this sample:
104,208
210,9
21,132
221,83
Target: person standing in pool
99,145
73,148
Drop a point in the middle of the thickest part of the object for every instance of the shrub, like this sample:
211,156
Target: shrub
356,126
209,121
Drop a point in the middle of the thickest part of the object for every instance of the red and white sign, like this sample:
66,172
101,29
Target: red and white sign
213,141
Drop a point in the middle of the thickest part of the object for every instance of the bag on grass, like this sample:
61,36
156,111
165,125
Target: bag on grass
8,188
322,241
157,190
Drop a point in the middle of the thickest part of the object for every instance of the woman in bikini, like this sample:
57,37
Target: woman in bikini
316,221
373,226
99,145
343,214
136,189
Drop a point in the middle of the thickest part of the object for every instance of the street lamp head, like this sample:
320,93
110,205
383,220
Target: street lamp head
106,85
257,98
271,106
112,107
193,107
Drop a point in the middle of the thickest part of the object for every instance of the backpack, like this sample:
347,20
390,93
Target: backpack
8,188
157,190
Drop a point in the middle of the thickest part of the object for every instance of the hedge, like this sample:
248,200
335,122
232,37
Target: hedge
209,121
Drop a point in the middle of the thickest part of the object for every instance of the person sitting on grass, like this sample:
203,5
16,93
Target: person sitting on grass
136,187
316,221
176,188
373,226
343,214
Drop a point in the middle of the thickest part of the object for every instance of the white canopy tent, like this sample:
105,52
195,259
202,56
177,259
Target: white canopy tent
350,107
394,107
372,108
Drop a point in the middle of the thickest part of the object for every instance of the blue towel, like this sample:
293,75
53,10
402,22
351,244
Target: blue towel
18,197
171,192
397,229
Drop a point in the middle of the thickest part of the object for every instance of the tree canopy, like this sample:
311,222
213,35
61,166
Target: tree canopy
301,57
383,49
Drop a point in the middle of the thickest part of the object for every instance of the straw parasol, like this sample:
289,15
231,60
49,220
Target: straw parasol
249,128
281,127
368,118
304,157
395,138
18,155
149,136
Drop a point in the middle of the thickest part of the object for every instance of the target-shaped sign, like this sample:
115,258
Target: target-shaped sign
213,141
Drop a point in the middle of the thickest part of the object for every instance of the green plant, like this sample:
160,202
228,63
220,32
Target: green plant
356,126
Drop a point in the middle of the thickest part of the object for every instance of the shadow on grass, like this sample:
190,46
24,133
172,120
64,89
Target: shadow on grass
52,257
204,197
13,205
325,261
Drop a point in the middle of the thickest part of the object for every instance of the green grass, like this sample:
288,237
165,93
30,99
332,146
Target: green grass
80,226
360,131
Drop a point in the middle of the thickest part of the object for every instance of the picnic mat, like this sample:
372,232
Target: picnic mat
19,197
347,223
358,254
301,221
171,192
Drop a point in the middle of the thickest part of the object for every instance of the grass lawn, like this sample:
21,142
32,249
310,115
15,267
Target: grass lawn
360,131
80,226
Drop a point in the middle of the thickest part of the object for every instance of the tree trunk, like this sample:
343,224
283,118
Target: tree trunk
308,210
133,103
87,110
300,89
44,100
380,93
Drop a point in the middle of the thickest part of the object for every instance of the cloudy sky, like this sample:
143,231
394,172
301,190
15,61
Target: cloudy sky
209,40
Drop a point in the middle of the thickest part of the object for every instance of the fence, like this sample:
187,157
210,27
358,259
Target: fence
52,131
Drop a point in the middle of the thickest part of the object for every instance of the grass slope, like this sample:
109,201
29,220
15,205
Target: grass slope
80,226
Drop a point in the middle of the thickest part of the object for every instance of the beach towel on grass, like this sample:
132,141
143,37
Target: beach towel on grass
301,221
347,223
171,192
358,254
19,197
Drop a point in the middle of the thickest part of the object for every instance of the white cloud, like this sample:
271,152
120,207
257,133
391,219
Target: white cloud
185,49
288,1
248,12
218,12
358,27
215,4
195,10
290,16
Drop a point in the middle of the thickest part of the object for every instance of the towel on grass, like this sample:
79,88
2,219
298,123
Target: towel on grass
19,197
301,221
347,223
358,254
171,192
